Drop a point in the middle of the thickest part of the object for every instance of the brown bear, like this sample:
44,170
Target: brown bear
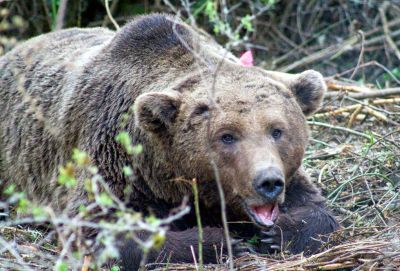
198,114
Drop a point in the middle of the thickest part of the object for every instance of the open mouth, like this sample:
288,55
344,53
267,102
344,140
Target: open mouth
265,215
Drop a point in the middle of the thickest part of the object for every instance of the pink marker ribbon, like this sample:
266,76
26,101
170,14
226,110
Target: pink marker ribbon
247,59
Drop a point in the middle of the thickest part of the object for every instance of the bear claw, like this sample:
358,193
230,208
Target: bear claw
241,248
271,240
268,241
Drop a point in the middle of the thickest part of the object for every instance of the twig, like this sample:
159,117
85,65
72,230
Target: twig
86,263
386,30
61,14
339,128
217,176
354,106
112,9
360,58
194,257
327,52
110,15
335,85
370,63
369,94
199,224
354,115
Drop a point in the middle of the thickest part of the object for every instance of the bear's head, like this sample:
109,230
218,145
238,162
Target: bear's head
219,120
240,126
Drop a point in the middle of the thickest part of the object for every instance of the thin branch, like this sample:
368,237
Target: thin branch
110,15
339,128
360,58
62,10
112,9
386,30
370,94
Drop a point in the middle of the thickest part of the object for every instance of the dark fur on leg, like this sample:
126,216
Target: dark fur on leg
303,220
177,248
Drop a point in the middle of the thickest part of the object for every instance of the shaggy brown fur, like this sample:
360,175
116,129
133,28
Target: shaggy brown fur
71,88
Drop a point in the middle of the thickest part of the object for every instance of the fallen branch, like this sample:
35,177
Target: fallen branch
386,30
336,85
358,108
339,128
365,94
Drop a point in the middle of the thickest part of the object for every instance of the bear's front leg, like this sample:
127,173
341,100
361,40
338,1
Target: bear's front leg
178,248
299,229
302,219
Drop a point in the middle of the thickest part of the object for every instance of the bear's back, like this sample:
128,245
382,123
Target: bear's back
37,81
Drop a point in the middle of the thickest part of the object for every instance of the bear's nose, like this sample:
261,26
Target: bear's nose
269,183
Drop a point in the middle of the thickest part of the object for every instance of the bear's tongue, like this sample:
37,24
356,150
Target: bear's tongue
266,214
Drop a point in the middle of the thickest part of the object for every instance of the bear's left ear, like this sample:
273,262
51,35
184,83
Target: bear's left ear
308,87
156,111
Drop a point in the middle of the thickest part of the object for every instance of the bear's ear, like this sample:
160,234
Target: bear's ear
156,111
308,87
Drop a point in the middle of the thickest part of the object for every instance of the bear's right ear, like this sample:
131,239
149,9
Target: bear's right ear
156,111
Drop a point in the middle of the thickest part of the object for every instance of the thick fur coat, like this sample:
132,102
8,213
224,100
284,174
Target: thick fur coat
195,107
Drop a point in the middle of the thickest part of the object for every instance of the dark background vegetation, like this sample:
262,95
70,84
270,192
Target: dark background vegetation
283,33
354,154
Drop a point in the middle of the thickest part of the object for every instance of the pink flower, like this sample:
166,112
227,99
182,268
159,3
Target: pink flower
247,59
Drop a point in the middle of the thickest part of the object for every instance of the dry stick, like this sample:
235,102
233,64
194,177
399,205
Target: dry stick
360,58
337,111
370,63
327,52
364,107
112,9
61,14
110,15
86,263
369,94
335,50
386,30
345,109
354,115
367,34
199,225
377,114
217,176
335,85
339,128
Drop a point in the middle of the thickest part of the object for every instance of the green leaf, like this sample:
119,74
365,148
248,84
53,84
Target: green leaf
38,212
246,22
10,189
127,170
80,157
23,204
104,199
62,266
67,175
138,149
115,268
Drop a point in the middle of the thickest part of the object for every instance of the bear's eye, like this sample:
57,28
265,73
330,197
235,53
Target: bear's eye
228,139
276,133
